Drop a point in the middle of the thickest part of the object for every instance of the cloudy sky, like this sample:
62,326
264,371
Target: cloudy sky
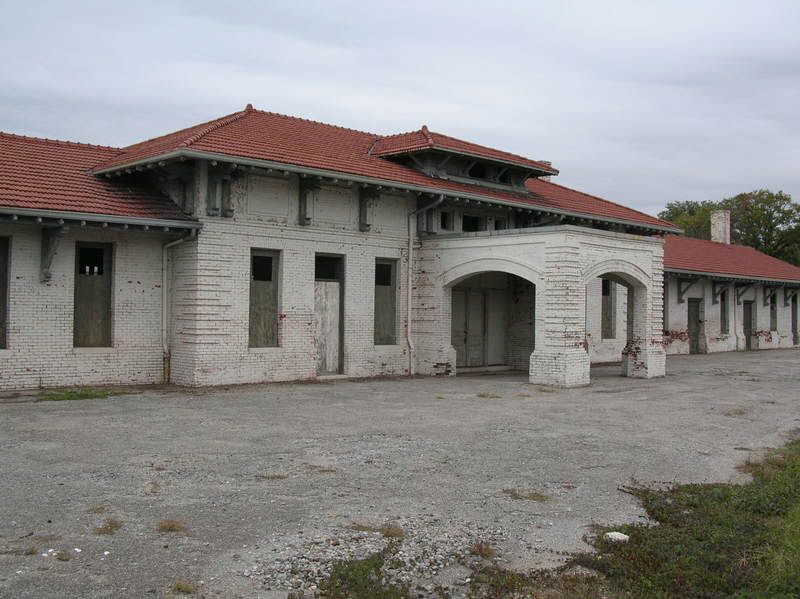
639,102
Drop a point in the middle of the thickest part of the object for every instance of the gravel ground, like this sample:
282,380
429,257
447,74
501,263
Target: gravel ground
275,482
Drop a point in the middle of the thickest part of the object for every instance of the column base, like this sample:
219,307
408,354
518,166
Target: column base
559,368
646,363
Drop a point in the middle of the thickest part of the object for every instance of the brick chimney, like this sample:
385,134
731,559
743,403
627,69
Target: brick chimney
721,226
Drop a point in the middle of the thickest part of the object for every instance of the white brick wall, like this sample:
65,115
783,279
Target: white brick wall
712,339
40,352
211,277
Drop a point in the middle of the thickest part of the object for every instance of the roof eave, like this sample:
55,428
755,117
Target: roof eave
187,153
731,277
89,217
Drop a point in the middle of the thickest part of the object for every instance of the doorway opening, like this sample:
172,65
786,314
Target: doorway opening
748,317
695,325
329,312
492,321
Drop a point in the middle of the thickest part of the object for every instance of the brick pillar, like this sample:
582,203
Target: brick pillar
644,355
560,358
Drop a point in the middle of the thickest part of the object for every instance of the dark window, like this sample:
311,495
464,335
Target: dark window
724,327
261,268
500,224
606,287
470,223
446,221
92,303
90,260
773,311
263,298
383,273
385,302
327,268
5,268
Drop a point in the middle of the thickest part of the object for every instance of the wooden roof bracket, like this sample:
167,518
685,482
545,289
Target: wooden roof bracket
51,239
717,287
683,287
788,294
770,292
741,290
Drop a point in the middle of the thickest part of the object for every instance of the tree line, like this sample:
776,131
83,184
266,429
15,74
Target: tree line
765,220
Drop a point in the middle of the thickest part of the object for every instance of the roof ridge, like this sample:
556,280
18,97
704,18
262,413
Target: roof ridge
214,125
608,201
307,120
64,142
427,134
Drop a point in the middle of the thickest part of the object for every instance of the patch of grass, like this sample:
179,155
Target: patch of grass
63,556
483,549
97,509
547,389
317,469
109,527
440,397
30,551
273,476
183,587
73,394
494,582
712,540
171,526
152,488
524,395
488,395
361,579
527,495
735,412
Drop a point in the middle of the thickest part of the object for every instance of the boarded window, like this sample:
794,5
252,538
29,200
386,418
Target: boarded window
92,310
470,223
607,320
5,267
385,302
724,327
263,298
773,311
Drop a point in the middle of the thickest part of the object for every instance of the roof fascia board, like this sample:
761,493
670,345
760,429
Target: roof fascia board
732,278
100,218
284,166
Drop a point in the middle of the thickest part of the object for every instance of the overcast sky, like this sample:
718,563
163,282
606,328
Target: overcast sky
638,102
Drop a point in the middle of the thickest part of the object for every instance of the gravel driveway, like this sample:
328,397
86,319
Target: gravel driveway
269,480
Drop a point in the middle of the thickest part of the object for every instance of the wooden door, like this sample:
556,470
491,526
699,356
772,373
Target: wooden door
795,339
695,326
92,300
747,324
458,327
475,329
496,322
328,309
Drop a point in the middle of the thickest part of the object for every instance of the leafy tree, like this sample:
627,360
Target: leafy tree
765,220
693,217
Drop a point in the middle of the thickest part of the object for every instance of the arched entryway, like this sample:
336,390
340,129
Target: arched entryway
492,314
626,305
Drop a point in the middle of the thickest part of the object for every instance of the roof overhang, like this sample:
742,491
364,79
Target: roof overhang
335,176
717,276
10,214
538,170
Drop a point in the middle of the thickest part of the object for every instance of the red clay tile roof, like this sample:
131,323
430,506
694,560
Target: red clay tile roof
699,255
423,139
44,174
258,135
